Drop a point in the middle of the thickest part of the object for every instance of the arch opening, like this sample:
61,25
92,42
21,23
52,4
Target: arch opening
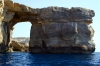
20,36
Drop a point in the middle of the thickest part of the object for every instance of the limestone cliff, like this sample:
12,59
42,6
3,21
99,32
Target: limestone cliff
53,30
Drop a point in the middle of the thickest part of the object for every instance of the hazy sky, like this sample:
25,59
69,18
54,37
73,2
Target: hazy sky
23,29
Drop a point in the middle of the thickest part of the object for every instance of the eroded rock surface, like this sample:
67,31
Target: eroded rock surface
53,30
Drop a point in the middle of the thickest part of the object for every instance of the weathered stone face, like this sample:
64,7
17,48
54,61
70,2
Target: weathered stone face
67,37
53,30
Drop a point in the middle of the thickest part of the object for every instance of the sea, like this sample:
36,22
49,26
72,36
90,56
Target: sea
27,59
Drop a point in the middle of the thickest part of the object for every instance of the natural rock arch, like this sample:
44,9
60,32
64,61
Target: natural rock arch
54,29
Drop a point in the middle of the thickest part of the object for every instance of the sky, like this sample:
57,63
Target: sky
23,29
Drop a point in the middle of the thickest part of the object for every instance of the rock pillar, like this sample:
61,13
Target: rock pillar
6,37
4,30
37,36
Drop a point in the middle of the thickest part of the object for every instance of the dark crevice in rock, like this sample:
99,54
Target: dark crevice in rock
44,47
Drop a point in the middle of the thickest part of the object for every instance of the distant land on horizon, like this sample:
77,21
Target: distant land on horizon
21,39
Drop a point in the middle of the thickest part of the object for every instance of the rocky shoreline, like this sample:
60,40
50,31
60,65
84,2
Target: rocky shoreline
19,44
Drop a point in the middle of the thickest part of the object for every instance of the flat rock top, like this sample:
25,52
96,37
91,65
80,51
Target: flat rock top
57,14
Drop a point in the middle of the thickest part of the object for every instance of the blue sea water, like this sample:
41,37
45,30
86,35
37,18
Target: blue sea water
27,59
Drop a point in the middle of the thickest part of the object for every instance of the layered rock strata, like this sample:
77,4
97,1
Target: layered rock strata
53,30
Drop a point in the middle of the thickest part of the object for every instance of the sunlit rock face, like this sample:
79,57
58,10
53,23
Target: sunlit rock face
19,46
1,18
53,30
